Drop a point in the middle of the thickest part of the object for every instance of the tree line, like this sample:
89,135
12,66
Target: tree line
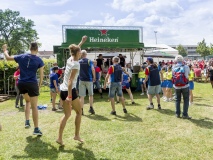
202,48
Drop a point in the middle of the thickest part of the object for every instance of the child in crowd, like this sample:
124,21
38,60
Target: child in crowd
169,84
163,74
191,84
141,78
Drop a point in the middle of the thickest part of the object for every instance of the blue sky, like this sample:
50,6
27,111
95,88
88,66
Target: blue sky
176,21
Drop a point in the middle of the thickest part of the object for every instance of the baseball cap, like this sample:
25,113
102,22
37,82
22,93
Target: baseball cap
179,58
150,59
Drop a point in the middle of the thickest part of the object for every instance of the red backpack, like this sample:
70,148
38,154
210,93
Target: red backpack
178,76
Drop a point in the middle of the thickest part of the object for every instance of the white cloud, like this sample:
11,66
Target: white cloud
51,3
165,7
49,27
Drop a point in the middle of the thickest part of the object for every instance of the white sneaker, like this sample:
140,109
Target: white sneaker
142,94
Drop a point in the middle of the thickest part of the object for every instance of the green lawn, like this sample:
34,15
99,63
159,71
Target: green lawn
141,134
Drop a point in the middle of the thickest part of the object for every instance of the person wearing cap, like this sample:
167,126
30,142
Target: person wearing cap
182,90
100,61
122,60
18,95
154,83
54,86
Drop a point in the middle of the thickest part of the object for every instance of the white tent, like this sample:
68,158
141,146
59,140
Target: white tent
160,47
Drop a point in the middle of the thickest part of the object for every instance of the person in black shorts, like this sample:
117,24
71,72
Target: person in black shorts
27,82
68,92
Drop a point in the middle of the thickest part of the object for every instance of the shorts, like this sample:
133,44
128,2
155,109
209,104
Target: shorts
30,88
191,85
163,84
211,78
153,90
64,94
140,81
83,85
97,84
53,90
126,85
115,87
169,84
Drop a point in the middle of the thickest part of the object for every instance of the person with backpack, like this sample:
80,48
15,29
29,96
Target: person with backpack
86,80
115,75
154,83
180,75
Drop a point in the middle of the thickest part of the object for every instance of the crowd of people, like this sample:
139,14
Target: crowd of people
82,74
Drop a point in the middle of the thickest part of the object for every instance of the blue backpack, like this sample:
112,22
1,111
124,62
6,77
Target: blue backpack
178,76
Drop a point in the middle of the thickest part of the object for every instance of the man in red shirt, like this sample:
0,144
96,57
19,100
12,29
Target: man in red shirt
18,96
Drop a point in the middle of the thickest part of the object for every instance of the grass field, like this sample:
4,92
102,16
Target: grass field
140,134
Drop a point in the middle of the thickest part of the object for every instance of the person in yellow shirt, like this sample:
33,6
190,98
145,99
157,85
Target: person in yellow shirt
163,76
191,84
141,78
169,84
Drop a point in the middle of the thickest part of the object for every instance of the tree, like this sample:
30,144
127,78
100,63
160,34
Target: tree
181,50
203,49
16,31
211,48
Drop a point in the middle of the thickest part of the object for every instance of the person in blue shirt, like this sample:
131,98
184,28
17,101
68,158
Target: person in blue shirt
126,84
54,86
86,79
28,85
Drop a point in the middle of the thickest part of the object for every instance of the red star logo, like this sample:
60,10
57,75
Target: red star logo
104,32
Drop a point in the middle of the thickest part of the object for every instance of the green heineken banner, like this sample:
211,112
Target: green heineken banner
104,38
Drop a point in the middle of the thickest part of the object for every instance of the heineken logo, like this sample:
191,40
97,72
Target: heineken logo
103,32
104,39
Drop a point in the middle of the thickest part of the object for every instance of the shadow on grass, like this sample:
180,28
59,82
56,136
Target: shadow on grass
133,105
204,123
129,117
166,111
37,149
97,117
201,104
80,153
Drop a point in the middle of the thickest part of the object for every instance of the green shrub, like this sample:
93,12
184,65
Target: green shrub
10,68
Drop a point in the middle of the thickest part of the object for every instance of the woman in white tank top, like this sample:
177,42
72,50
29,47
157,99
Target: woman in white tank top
68,92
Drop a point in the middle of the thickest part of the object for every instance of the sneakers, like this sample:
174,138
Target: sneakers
27,124
186,117
177,115
159,107
16,106
91,110
142,94
151,106
125,111
133,102
37,132
54,109
113,113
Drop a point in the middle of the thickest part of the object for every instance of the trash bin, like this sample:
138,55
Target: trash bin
134,81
